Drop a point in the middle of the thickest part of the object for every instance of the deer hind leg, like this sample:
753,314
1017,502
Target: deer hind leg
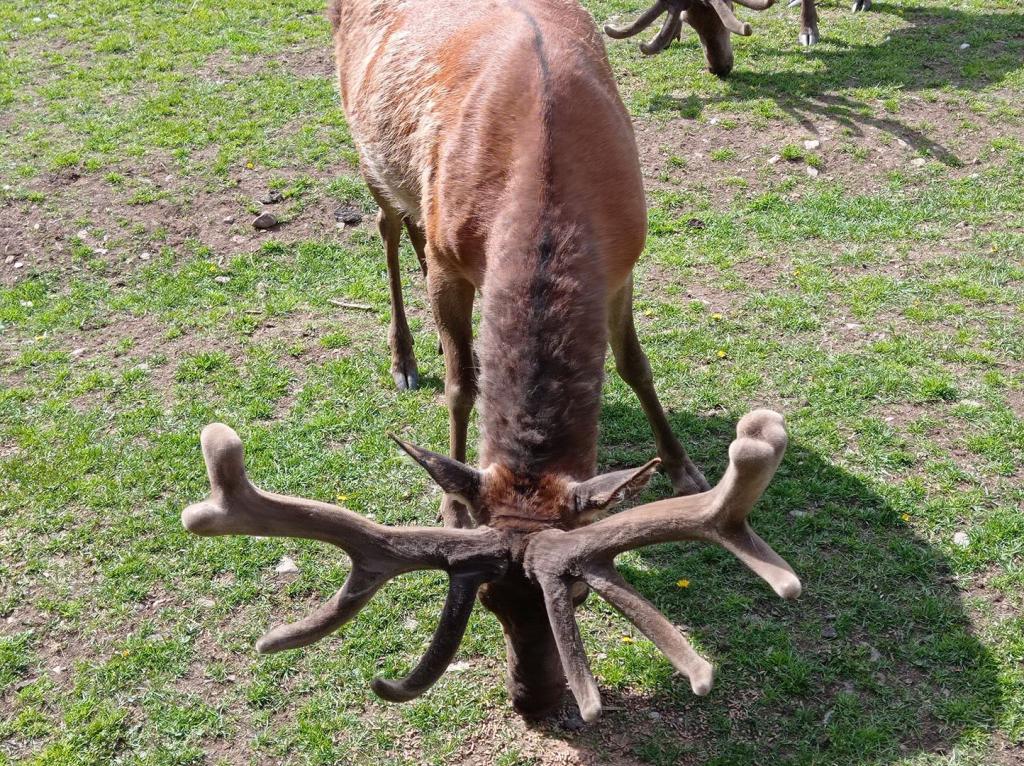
809,23
451,298
403,358
634,368
419,243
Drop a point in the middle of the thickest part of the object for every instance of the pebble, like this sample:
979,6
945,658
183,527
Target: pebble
812,171
238,239
206,602
812,143
964,46
286,566
229,219
828,632
18,264
349,215
271,198
961,539
918,161
222,279
774,159
9,259
265,221
459,667
145,256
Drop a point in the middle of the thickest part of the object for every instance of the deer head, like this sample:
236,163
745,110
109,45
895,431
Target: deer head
533,573
712,20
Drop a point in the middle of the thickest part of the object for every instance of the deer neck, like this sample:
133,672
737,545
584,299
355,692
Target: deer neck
542,344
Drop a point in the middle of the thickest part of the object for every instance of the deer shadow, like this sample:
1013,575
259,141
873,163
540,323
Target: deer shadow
925,54
875,662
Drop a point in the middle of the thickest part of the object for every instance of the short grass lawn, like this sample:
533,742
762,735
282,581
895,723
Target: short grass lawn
835,232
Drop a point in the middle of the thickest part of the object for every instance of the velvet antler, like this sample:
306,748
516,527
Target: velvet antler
557,560
673,24
469,556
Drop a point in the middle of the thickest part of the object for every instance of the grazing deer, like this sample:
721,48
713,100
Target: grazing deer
713,21
494,132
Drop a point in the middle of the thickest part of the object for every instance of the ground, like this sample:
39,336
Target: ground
836,232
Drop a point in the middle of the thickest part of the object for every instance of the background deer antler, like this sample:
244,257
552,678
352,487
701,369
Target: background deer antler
557,560
470,556
673,24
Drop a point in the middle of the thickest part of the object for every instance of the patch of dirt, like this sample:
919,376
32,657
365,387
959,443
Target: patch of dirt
885,144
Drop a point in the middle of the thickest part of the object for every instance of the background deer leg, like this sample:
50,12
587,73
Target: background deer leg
403,358
808,23
452,300
632,365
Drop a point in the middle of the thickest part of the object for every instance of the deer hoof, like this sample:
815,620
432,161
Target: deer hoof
405,375
809,37
861,5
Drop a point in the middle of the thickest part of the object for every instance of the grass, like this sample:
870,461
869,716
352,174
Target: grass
879,305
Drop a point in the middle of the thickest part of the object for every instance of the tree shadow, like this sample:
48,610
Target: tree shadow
875,662
926,54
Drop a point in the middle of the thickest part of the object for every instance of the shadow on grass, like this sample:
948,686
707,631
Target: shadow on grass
876,661
925,54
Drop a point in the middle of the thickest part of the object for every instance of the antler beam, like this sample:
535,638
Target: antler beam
556,559
671,28
470,556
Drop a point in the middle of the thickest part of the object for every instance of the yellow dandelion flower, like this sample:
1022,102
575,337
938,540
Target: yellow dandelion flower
628,640
721,353
717,317
683,583
905,517
341,498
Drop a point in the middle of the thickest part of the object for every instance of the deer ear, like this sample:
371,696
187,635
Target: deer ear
453,477
608,489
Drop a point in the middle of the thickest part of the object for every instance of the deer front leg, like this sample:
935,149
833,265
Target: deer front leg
451,298
634,368
808,23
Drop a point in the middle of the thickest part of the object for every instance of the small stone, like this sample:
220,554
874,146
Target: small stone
411,623
828,631
812,171
964,46
229,219
874,654
286,566
82,233
654,715
902,143
349,215
238,239
145,256
222,279
798,514
271,198
18,264
26,304
812,143
918,162
265,221
9,260
970,403
774,159
459,667
78,352
961,540
206,603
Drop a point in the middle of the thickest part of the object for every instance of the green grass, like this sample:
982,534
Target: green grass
879,305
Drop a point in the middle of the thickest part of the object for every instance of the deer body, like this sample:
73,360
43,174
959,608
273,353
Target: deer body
493,131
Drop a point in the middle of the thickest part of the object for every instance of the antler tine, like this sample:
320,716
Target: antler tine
555,558
668,32
378,553
755,5
729,20
643,21
614,589
458,606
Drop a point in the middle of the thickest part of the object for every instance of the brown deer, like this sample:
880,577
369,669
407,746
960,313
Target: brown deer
493,131
714,22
